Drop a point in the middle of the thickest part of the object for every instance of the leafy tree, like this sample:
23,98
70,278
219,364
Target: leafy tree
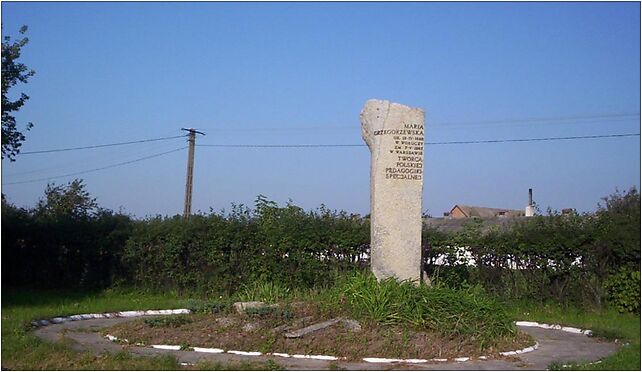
12,73
618,230
70,200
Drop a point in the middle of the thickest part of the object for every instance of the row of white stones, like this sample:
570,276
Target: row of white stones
220,351
587,332
321,357
120,314
130,314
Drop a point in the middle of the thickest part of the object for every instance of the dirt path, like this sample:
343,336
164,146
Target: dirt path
554,346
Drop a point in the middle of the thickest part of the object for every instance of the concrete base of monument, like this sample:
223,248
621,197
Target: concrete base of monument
553,343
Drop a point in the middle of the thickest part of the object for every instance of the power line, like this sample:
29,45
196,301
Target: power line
97,169
532,123
328,145
618,116
98,146
534,139
60,166
577,119
430,143
285,146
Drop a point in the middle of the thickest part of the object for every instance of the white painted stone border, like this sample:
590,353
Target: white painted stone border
120,314
220,351
587,332
522,351
131,314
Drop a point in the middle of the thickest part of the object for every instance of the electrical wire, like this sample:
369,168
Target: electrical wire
98,146
430,143
284,146
616,116
97,169
71,162
577,119
535,139
311,146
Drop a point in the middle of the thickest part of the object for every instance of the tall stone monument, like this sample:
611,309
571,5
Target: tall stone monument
395,135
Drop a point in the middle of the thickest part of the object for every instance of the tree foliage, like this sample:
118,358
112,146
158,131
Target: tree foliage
70,200
66,241
617,230
13,72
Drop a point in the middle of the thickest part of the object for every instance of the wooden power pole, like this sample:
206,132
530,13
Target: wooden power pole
187,211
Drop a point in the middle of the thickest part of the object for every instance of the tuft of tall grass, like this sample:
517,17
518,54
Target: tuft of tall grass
266,291
467,313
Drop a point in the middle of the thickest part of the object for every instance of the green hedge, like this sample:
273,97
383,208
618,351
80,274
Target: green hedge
221,252
67,241
62,251
562,258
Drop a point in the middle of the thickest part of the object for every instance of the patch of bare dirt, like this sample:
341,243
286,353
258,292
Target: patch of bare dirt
265,333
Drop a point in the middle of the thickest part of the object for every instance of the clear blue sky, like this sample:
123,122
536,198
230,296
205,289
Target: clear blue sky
289,73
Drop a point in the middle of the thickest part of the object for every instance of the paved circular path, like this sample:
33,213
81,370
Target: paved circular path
554,346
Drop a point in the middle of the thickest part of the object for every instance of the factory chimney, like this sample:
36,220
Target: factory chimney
530,208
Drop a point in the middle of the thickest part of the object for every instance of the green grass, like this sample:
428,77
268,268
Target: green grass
168,321
467,313
23,351
607,324
269,365
265,291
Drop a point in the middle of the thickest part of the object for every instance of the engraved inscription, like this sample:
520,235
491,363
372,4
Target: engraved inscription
408,145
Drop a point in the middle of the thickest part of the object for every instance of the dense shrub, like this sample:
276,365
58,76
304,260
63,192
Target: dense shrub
223,252
623,290
66,241
563,258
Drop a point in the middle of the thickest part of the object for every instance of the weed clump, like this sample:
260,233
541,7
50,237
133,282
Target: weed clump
207,307
168,321
467,313
263,290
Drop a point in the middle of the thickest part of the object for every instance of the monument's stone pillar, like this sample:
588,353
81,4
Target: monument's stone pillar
395,135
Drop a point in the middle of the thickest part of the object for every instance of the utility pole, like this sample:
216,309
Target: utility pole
187,211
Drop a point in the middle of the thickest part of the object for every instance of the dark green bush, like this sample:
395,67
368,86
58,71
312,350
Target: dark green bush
66,241
623,290
561,258
226,252
262,253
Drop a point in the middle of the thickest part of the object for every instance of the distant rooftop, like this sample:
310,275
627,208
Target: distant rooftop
467,211
457,224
